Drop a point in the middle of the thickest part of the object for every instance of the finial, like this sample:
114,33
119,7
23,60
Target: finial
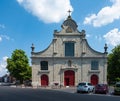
83,34
105,48
32,47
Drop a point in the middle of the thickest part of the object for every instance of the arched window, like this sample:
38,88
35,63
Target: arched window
44,65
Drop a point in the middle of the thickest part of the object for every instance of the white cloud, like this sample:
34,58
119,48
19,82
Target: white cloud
4,37
88,35
105,16
3,64
0,39
49,11
20,1
2,26
98,37
88,20
113,37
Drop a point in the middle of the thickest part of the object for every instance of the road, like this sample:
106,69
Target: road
32,94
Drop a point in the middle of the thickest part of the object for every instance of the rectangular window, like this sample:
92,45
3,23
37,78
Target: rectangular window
69,49
44,65
94,65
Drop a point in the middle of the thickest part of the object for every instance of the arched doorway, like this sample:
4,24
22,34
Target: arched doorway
44,80
69,78
94,79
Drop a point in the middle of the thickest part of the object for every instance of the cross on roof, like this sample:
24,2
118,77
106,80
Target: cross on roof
69,11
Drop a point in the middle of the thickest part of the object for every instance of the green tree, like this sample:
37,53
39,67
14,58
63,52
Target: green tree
18,65
114,64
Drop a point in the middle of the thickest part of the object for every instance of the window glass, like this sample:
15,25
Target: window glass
89,84
44,65
117,85
94,65
82,84
69,49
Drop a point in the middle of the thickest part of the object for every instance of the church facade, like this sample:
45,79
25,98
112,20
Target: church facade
69,59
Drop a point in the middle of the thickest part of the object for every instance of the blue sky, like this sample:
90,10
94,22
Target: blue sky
23,22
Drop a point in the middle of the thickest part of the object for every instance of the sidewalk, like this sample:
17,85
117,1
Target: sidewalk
68,89
64,89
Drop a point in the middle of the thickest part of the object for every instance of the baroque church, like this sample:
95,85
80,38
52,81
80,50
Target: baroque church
69,59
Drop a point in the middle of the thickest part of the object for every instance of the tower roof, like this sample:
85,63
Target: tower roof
69,22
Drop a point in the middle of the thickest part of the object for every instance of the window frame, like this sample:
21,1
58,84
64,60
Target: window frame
69,45
44,65
94,65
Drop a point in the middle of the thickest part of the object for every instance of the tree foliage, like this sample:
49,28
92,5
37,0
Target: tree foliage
114,64
18,65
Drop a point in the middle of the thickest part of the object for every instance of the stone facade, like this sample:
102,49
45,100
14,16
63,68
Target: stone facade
69,59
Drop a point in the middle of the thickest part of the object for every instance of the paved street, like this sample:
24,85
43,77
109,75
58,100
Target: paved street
32,94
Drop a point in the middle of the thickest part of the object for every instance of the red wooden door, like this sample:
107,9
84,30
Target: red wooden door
69,78
94,79
44,80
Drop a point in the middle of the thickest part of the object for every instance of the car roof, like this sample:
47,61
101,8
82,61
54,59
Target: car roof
84,82
101,84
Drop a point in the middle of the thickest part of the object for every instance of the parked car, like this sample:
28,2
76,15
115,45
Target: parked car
4,84
85,87
117,88
101,88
